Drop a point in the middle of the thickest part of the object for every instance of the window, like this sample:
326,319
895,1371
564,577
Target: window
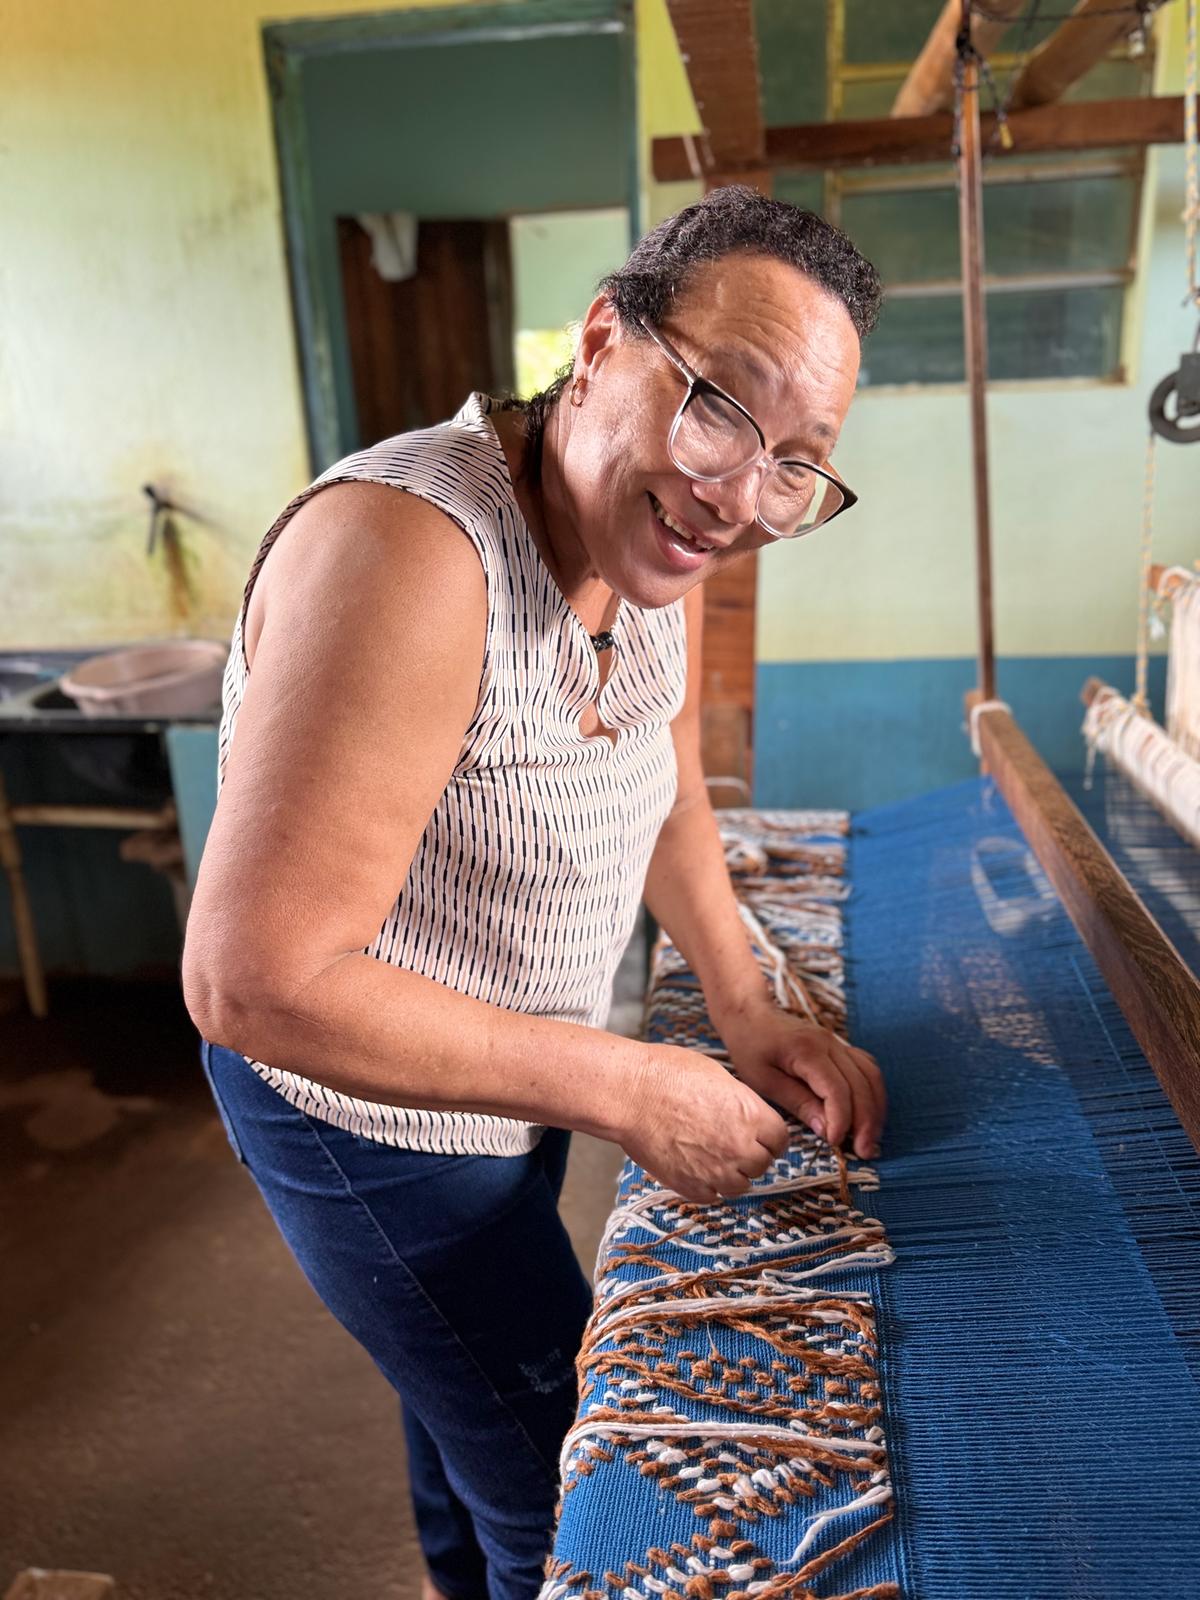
1060,231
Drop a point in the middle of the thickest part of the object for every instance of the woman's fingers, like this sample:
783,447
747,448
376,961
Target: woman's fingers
867,1121
840,1095
829,1081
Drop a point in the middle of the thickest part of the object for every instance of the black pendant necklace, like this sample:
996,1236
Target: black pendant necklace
605,640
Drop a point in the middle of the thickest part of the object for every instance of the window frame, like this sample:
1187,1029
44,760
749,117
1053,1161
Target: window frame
842,182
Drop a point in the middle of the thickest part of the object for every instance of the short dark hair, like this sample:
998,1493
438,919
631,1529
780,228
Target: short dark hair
728,220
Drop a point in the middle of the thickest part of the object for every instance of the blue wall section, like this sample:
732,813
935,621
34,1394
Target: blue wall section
93,912
865,733
841,733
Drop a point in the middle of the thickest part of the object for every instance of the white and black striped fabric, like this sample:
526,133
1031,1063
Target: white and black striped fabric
525,884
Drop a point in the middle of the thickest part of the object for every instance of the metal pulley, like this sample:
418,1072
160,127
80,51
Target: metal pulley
1183,426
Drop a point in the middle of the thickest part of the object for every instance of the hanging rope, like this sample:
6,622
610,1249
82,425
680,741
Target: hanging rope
1141,696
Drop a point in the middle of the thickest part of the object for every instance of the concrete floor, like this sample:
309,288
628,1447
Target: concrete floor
176,1407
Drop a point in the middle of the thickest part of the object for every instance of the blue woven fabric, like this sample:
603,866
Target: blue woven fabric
1041,1326
1034,1347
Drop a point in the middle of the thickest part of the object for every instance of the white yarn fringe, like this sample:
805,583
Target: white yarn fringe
1148,756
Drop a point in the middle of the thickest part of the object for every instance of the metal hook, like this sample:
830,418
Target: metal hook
159,506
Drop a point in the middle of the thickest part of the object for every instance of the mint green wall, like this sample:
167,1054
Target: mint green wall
558,258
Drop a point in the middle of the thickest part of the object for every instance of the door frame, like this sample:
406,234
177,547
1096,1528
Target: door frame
286,48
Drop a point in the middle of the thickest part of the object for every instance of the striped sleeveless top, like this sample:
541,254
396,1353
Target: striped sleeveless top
525,884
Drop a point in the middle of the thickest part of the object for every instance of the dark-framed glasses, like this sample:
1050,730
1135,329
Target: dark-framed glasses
713,438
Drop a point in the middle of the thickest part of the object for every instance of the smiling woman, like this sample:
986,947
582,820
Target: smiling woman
467,664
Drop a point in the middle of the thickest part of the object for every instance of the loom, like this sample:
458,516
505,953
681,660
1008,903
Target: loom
973,1369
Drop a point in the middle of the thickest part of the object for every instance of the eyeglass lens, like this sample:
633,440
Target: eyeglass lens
714,440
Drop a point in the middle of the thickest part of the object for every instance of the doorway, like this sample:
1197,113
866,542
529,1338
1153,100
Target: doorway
462,117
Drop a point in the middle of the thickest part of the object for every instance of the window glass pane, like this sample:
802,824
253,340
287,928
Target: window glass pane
1044,333
910,236
895,30
1059,225
805,189
861,101
791,60
1068,224
1108,80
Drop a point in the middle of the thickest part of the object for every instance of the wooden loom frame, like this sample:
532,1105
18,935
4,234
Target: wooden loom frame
1156,991
1154,988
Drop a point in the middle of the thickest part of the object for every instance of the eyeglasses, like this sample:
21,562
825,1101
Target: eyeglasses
713,439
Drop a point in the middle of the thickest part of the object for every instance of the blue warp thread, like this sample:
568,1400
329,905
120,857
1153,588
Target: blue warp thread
1041,1326
1039,1332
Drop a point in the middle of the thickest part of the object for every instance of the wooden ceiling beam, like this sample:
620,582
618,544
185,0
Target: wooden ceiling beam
929,86
1084,39
720,51
898,141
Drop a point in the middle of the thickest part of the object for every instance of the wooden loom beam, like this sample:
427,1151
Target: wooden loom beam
902,141
1149,980
1091,688
1074,47
720,51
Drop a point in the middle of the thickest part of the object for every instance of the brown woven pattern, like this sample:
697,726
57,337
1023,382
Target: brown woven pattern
729,1437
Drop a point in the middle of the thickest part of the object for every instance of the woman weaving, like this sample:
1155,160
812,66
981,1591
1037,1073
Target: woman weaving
506,725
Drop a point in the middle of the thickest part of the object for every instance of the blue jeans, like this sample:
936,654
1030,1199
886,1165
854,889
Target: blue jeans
456,1274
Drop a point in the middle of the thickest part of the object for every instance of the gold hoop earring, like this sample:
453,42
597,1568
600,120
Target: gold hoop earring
577,389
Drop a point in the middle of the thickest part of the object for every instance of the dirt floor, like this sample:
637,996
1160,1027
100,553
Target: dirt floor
176,1407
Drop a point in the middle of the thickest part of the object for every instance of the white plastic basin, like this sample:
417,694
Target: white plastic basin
181,678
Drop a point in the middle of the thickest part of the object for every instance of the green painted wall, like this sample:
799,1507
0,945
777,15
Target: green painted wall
558,260
463,129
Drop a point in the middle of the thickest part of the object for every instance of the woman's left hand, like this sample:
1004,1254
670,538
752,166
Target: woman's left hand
813,1075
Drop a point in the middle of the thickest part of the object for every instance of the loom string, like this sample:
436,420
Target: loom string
1037,1346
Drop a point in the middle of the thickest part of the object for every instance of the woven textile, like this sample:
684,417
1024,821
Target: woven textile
1040,1331
729,1439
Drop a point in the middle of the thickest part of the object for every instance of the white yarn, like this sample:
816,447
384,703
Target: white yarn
789,992
1183,667
687,1428
976,712
876,1495
1164,772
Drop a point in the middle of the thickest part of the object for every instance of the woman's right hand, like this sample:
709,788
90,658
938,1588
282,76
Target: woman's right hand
698,1130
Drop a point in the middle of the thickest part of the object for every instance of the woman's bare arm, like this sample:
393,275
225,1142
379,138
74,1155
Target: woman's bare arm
827,1083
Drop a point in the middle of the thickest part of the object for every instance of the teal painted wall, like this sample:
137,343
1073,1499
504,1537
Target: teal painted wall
862,733
94,913
461,129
